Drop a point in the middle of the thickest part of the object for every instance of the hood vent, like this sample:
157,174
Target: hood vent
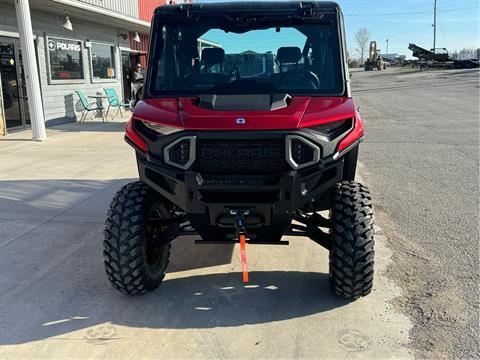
250,102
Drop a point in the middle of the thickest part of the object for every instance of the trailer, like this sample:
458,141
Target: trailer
439,58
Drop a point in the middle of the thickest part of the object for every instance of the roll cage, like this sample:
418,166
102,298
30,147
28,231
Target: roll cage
240,18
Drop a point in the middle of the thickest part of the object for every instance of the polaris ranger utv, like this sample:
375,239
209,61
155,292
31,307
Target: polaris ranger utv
244,151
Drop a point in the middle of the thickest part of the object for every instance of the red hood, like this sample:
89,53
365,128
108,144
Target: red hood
301,112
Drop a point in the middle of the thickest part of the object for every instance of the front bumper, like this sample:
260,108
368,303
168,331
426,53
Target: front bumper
194,192
272,200
272,197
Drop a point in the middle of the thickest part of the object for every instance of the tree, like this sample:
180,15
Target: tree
464,54
351,61
467,54
362,37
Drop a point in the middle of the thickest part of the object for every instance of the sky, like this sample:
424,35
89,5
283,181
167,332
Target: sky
256,40
410,21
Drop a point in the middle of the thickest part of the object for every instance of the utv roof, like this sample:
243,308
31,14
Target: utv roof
249,6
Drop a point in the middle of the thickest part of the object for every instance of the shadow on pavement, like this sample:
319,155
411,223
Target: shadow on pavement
74,127
53,280
205,301
186,255
118,125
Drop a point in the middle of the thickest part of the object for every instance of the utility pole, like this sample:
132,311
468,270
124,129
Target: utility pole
386,51
434,24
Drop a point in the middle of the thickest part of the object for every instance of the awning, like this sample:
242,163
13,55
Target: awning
92,13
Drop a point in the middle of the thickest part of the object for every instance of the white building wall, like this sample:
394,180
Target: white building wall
126,7
60,102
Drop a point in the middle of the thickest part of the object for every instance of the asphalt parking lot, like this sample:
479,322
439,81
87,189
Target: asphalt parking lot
56,302
421,161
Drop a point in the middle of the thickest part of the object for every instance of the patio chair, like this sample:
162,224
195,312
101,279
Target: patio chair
114,102
88,107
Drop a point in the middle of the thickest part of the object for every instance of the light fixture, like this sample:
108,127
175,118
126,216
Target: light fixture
67,24
136,38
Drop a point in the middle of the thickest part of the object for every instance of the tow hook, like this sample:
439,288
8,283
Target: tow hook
240,234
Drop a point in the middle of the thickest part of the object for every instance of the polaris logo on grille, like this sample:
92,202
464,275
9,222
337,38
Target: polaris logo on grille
240,121
242,153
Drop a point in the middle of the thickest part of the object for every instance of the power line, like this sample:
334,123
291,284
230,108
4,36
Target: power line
410,13
443,34
379,25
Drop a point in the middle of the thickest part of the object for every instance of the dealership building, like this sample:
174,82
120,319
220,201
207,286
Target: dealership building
51,48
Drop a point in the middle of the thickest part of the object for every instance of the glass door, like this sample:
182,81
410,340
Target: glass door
126,75
23,91
15,102
8,74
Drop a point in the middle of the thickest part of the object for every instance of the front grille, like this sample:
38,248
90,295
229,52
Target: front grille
240,156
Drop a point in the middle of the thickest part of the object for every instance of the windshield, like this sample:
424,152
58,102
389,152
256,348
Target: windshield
204,57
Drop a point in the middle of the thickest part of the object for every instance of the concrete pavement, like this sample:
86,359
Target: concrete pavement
56,302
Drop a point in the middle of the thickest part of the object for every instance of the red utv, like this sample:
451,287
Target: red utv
246,132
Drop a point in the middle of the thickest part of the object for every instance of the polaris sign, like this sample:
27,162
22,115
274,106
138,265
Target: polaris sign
52,46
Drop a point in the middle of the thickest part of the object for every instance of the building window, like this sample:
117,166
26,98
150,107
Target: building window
65,58
103,61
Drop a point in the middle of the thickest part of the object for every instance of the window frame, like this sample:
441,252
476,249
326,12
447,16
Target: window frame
162,19
48,62
115,52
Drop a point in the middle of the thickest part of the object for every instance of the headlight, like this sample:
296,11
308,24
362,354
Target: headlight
333,129
301,152
160,128
181,152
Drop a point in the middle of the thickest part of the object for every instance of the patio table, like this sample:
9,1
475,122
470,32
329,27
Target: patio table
100,101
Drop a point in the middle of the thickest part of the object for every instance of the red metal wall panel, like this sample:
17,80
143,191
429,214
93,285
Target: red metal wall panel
146,8
141,47
145,12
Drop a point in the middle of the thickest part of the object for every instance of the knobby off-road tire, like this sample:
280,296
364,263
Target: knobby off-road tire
135,260
352,252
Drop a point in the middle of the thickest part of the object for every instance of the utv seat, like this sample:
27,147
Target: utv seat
298,78
211,57
288,55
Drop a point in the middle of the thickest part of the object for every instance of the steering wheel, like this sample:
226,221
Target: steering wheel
291,78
